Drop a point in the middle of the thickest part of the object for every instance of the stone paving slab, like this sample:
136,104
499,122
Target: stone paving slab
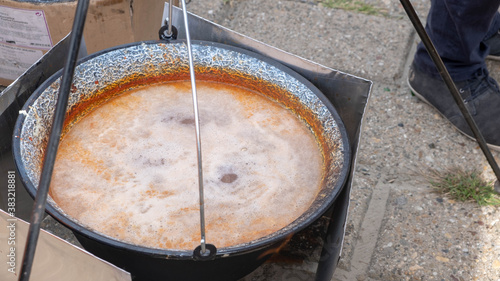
429,237
400,142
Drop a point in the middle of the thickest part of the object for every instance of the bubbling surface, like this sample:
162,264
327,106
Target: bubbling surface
129,170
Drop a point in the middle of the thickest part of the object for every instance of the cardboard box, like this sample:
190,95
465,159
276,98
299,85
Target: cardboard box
29,29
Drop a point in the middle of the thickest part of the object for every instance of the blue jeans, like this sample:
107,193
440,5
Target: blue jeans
456,28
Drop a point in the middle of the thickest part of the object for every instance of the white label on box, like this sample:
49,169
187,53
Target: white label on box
14,61
25,28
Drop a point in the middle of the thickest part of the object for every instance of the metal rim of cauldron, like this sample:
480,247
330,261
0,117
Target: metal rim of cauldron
186,254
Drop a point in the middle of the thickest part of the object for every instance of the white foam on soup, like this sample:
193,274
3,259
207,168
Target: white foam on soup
129,168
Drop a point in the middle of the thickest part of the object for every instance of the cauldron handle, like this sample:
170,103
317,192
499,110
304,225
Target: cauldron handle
203,246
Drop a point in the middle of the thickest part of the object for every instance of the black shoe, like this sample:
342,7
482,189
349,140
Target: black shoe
494,43
480,94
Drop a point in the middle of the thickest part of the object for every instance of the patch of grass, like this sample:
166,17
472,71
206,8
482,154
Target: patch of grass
464,186
351,5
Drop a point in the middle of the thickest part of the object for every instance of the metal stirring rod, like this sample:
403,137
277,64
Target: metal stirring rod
197,126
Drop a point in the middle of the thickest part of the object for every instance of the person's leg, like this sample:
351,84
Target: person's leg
495,26
458,29
492,39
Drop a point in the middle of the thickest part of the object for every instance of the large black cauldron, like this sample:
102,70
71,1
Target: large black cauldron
149,62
